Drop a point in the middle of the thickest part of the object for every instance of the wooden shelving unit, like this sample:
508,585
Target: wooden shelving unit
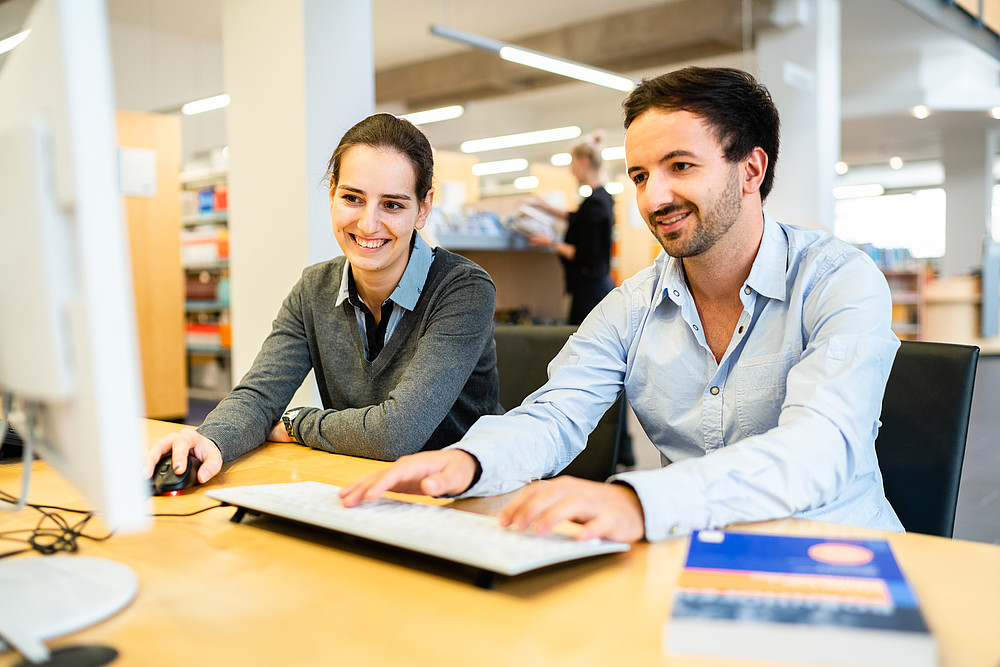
205,261
906,286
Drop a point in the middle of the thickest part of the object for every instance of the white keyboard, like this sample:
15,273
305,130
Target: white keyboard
454,535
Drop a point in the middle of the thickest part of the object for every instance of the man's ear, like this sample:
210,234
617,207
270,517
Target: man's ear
754,168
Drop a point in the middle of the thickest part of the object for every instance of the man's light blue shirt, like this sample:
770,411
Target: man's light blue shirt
405,296
783,425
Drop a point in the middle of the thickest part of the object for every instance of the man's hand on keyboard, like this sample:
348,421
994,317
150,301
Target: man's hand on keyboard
611,511
437,473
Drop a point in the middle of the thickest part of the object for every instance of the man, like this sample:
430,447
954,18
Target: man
754,354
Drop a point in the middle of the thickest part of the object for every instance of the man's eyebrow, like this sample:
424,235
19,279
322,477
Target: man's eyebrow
666,158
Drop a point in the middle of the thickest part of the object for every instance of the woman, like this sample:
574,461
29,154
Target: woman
586,249
400,336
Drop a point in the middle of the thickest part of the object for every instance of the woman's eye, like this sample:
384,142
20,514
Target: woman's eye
350,199
394,206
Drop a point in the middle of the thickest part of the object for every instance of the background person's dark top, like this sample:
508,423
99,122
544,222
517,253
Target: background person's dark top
589,232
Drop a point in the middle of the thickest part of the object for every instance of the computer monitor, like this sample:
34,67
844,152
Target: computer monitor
69,370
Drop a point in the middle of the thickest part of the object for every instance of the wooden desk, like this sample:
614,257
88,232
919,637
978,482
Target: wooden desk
266,592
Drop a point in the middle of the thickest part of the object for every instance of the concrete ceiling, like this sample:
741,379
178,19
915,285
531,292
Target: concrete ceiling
416,69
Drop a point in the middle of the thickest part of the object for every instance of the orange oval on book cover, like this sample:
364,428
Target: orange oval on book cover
840,554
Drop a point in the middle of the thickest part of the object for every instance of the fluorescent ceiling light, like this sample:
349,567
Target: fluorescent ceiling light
207,104
435,115
561,160
566,68
526,182
614,188
9,43
522,139
499,167
539,60
613,153
857,191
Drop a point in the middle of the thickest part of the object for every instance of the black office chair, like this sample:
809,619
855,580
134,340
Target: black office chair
925,421
523,354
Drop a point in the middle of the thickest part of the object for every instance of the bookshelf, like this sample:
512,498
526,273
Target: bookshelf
906,285
205,263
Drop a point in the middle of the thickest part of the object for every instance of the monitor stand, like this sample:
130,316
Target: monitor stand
49,596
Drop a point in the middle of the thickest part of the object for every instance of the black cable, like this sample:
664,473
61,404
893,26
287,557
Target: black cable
55,534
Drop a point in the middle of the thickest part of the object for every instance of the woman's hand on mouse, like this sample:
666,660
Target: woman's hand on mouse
178,445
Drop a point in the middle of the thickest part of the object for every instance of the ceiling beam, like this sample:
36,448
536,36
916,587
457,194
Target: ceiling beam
678,31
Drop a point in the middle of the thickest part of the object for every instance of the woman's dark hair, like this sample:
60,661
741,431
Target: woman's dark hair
386,131
734,104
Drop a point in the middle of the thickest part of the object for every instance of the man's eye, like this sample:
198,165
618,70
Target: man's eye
682,166
638,178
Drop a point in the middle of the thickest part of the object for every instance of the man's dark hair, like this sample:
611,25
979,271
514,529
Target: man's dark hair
735,105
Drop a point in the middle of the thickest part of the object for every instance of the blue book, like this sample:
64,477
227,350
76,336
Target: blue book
797,599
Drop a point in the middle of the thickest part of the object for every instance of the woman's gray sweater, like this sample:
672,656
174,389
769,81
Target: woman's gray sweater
436,375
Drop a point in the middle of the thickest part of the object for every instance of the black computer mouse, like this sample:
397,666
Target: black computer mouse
166,481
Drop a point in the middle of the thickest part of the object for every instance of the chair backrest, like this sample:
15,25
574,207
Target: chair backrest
925,421
523,355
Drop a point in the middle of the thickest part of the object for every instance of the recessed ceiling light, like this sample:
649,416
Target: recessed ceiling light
840,168
896,162
920,111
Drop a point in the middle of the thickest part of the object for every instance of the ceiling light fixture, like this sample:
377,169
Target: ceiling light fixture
858,191
896,162
499,167
526,182
995,112
9,43
207,104
522,139
435,115
538,60
920,111
841,167
613,153
561,160
614,187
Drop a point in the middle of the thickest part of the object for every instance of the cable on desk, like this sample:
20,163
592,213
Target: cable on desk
55,534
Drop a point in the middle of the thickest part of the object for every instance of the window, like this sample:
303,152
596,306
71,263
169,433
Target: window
913,220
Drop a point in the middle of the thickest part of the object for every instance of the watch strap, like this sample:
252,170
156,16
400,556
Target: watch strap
288,420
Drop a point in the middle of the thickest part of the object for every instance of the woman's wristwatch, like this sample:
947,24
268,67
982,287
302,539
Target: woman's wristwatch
287,419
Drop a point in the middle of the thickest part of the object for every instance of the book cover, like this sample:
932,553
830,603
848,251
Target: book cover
797,599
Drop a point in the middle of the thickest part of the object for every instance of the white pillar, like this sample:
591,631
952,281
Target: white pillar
300,73
969,147
800,65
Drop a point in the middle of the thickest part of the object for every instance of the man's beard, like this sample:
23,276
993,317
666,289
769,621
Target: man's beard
707,228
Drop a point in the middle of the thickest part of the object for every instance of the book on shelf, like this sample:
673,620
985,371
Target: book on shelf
797,599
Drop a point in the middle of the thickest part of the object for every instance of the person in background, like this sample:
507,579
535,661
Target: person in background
586,249
400,335
754,353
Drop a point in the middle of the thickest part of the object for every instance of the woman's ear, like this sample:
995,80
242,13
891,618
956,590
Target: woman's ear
425,209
